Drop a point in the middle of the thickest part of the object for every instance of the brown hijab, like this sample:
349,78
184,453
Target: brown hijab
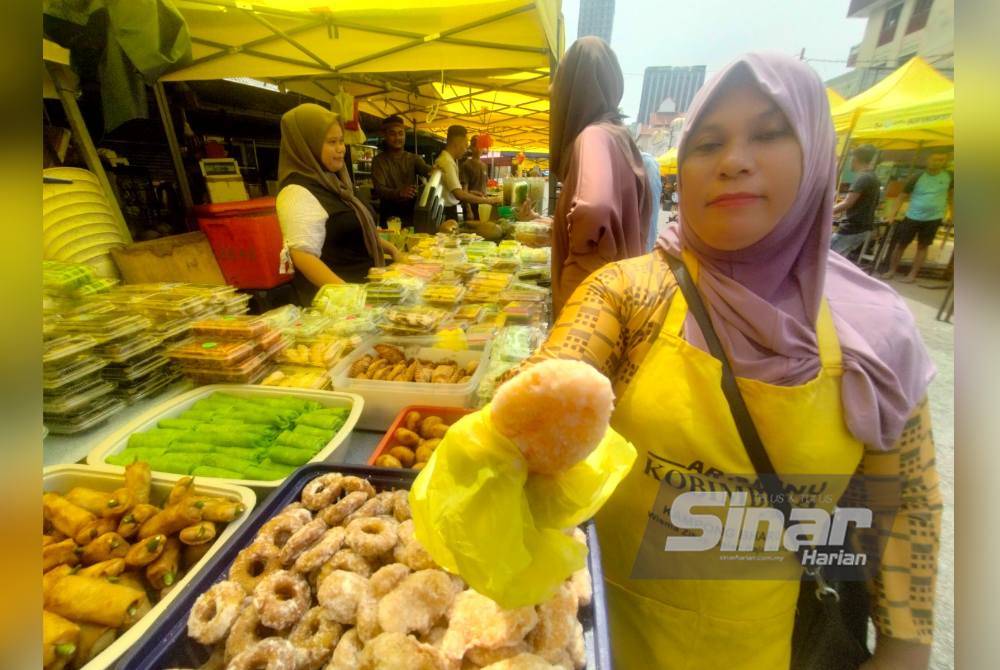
303,132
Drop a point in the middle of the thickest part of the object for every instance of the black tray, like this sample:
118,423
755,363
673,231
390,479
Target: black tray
166,643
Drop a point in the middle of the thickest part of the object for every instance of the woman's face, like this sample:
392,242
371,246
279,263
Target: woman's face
741,169
332,153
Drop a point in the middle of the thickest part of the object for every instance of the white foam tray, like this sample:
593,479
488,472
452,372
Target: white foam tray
118,440
62,478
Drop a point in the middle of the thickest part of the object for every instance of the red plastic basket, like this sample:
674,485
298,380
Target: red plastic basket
246,239
448,414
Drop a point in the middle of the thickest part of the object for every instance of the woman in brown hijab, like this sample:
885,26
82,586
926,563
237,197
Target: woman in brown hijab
604,207
329,235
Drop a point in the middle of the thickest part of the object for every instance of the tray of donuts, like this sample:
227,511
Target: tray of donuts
327,575
118,548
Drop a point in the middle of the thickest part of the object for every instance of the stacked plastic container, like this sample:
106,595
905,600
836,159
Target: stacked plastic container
229,350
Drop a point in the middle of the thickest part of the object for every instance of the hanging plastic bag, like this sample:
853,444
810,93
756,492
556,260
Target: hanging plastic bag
480,513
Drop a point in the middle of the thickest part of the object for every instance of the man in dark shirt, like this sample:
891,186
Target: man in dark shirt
472,175
394,174
859,204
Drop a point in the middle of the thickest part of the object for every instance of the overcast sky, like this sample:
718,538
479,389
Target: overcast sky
713,32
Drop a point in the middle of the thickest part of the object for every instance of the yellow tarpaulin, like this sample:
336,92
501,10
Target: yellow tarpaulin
927,123
909,86
668,162
834,98
480,63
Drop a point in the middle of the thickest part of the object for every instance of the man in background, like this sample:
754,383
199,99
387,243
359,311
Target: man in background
930,196
447,162
394,174
472,175
656,188
859,205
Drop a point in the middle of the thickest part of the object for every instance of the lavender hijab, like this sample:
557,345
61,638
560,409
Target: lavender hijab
764,299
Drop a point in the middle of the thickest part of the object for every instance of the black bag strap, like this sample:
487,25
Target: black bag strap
741,415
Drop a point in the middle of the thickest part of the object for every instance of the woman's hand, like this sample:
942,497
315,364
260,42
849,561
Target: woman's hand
892,654
393,251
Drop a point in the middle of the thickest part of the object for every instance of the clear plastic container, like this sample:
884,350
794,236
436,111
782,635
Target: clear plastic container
334,299
420,319
284,317
244,374
243,327
294,376
171,303
237,305
59,377
210,353
105,327
443,294
122,351
79,398
316,353
65,347
95,415
137,369
172,329
65,277
97,287
469,313
148,387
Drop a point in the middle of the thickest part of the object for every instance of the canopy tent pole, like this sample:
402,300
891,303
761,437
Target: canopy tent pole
175,150
81,136
553,182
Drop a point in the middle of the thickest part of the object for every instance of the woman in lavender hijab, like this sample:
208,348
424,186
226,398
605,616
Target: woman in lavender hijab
829,361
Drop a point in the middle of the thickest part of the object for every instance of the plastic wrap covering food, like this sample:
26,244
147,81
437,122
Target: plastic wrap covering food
516,343
418,320
231,327
65,278
291,376
282,318
393,291
210,353
356,325
443,294
340,299
533,234
323,352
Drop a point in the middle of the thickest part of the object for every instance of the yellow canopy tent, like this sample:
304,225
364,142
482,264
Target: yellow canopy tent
668,162
835,98
927,123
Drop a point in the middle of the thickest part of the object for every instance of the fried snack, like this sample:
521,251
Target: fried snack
380,505
401,505
407,438
390,353
582,587
423,372
180,490
145,551
556,413
471,367
409,551
322,491
423,454
50,578
577,648
418,466
170,520
94,600
67,518
191,554
163,572
59,640
281,599
523,662
253,564
442,374
214,612
221,510
477,621
371,537
138,479
200,533
131,522
388,461
483,656
425,425
273,653
395,371
340,592
247,631
59,553
321,552
412,420
109,568
92,641
107,546
417,602
94,530
382,373
397,650
377,365
345,656
277,531
335,514
315,637
101,503
404,455
436,431
345,559
366,618
556,619
360,366
302,539
387,578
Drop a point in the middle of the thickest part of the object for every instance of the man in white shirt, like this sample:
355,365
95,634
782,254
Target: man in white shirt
447,162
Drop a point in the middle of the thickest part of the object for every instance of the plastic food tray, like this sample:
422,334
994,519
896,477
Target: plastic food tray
125,350
147,387
136,370
62,478
96,414
59,377
384,400
208,353
448,414
253,372
105,327
165,644
170,303
298,376
233,327
79,398
64,347
177,405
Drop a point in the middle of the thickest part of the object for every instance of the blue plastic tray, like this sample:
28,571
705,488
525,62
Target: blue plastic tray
167,645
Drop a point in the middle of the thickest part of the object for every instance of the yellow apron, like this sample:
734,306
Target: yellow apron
674,413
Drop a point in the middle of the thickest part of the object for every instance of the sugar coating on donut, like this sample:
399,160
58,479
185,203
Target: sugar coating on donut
215,611
556,413
281,599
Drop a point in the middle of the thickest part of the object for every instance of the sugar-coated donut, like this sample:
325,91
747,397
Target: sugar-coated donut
281,599
215,611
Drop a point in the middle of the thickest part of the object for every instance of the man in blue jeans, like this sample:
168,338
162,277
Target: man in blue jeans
930,195
860,203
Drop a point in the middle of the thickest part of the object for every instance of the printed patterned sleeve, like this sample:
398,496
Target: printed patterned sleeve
612,318
904,586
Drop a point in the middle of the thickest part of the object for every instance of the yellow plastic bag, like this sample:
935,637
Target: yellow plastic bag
481,515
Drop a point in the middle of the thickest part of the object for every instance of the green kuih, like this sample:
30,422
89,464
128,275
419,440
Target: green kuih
227,462
327,419
263,416
201,416
157,438
252,455
226,438
267,473
180,464
299,441
290,455
322,433
130,456
209,471
192,448
179,424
